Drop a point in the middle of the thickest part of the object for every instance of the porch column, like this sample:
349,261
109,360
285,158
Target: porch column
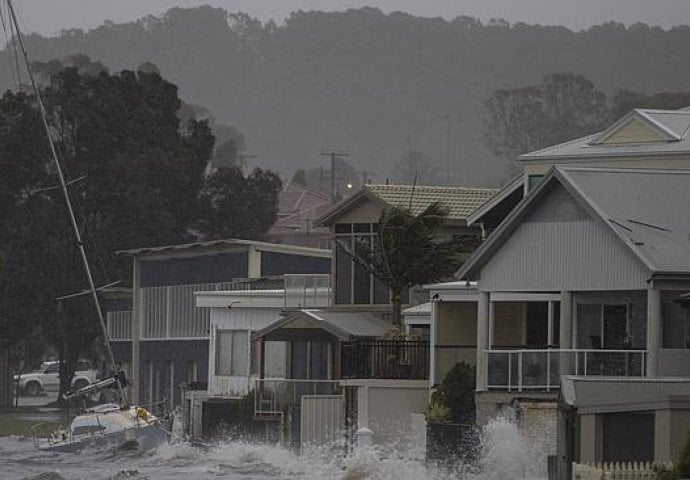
432,344
135,327
482,339
653,330
565,339
591,438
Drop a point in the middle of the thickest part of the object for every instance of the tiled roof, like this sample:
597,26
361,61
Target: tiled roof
461,201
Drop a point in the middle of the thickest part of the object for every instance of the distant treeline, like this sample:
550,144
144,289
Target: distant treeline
378,85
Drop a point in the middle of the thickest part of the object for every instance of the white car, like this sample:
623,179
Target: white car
46,378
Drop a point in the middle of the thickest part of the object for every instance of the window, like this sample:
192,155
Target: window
675,324
611,326
232,352
354,284
533,181
275,359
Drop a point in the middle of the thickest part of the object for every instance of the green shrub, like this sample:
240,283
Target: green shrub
681,467
437,413
456,392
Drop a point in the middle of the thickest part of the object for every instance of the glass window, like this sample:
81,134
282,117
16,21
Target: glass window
533,181
675,326
589,326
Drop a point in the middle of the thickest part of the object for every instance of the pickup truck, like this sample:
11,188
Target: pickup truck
46,378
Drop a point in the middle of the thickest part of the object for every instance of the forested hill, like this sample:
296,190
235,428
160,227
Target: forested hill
376,85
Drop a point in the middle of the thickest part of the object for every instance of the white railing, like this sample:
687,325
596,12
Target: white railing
541,369
272,397
170,312
119,325
307,290
618,471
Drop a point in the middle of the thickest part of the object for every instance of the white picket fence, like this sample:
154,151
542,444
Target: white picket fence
616,471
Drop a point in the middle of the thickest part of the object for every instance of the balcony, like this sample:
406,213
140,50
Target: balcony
119,325
273,397
385,359
518,370
307,290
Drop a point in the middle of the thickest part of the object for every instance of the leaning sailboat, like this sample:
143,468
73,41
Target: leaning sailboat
114,424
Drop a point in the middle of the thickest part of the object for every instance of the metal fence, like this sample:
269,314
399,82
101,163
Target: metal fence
541,369
619,471
392,359
119,325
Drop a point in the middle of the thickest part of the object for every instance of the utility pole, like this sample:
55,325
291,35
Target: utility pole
334,154
447,118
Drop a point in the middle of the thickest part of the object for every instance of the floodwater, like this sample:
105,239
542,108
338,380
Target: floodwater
505,455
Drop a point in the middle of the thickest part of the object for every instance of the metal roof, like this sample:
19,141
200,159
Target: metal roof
644,208
602,394
515,184
186,247
461,201
673,125
343,325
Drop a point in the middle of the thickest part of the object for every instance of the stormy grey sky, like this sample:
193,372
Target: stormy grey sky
50,16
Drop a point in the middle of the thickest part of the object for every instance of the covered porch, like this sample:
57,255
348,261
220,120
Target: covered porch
534,338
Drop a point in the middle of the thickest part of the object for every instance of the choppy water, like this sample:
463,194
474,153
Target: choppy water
505,455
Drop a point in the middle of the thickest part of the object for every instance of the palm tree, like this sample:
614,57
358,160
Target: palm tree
408,251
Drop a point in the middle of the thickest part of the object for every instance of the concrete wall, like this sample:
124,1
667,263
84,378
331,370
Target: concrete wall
674,362
387,407
457,323
671,427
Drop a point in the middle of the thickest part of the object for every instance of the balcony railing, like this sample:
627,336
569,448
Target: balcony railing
392,359
447,356
307,290
119,325
541,369
273,397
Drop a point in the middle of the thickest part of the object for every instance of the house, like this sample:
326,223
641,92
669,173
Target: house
385,380
643,138
158,334
298,207
234,355
578,288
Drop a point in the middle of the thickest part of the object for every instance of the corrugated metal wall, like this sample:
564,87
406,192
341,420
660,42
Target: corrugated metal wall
322,420
559,246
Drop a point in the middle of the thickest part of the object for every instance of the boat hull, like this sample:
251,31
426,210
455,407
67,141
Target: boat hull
140,438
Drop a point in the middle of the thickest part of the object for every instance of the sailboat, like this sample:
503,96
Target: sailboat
113,424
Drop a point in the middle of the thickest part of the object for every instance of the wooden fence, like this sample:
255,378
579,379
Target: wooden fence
617,471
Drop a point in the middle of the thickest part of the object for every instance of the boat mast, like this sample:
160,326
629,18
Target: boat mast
68,202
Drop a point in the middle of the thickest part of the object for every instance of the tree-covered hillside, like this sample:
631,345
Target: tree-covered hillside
376,85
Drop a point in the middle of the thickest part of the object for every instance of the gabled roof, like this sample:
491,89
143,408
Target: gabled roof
461,201
646,209
343,325
660,132
515,184
299,205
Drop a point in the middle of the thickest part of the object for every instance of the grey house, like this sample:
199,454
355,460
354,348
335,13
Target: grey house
159,335
581,280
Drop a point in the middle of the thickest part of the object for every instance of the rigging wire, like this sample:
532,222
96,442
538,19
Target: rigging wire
61,178
10,44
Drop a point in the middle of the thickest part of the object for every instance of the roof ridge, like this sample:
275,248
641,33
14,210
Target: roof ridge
439,187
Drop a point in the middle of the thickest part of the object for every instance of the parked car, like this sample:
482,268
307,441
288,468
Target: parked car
46,378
